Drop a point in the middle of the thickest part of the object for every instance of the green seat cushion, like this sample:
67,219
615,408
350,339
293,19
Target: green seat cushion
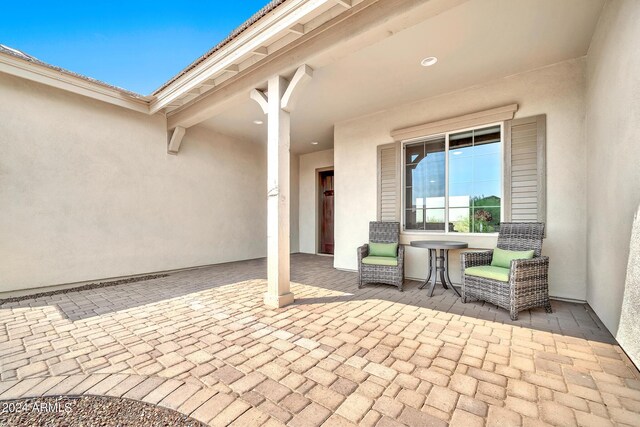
502,258
381,260
489,272
383,249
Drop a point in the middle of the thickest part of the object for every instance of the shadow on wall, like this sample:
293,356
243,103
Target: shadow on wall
629,331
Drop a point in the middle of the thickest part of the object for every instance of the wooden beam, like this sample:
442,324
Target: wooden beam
189,97
344,3
176,139
297,29
232,69
300,79
261,51
176,103
261,99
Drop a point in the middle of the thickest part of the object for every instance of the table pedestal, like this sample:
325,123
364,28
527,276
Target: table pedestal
439,262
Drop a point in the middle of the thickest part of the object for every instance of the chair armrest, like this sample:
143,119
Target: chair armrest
523,270
474,259
400,255
363,252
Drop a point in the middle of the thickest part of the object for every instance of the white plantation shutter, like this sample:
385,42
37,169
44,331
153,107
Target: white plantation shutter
389,182
525,169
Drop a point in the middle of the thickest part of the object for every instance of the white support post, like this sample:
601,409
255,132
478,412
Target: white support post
278,185
278,144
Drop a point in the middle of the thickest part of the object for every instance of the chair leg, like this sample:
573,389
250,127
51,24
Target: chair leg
463,295
513,313
547,307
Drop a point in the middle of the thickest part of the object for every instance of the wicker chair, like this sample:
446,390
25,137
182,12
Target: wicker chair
382,232
528,284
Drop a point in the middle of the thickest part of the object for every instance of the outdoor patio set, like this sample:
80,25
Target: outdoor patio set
514,276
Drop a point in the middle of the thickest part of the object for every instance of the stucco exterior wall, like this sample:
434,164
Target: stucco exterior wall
613,129
294,208
88,192
309,164
557,91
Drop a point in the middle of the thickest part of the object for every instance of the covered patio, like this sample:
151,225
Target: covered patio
230,205
202,342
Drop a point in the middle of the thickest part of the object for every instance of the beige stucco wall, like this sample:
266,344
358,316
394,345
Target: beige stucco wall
294,208
557,91
613,129
309,165
87,191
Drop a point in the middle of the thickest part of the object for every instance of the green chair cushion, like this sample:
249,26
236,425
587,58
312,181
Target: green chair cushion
381,260
502,258
488,272
383,249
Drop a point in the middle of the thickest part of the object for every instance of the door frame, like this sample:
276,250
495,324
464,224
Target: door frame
318,203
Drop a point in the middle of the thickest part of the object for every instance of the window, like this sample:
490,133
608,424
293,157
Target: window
454,179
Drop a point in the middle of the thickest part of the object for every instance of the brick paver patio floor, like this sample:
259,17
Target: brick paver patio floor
202,342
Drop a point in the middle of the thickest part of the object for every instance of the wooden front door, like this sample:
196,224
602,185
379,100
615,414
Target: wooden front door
326,212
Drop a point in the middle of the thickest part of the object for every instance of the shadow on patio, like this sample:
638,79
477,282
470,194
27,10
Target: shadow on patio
570,319
208,329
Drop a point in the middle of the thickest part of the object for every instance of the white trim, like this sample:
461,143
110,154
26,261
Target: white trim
446,183
472,120
300,79
260,97
61,80
446,232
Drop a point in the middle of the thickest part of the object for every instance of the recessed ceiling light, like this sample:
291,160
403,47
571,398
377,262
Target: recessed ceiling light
258,122
429,61
314,142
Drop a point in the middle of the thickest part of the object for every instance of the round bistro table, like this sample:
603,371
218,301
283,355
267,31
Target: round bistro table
438,262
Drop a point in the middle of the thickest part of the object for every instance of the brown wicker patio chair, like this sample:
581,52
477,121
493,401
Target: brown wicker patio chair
527,284
374,269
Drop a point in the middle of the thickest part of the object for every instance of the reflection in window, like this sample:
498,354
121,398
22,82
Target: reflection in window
474,182
425,185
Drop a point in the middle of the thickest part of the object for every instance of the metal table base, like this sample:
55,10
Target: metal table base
438,262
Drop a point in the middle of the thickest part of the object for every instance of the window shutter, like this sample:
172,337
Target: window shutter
389,182
525,169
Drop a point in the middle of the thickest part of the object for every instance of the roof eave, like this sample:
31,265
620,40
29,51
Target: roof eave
43,73
225,58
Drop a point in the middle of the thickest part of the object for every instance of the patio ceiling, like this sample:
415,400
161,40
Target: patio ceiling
475,42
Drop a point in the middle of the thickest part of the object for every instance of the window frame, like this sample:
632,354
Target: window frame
446,134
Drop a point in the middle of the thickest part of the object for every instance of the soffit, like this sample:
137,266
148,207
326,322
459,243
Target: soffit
475,42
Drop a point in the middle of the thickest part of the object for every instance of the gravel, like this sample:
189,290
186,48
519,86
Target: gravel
83,288
85,411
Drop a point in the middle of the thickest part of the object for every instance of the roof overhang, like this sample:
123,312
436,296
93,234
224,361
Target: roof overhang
331,34
61,79
288,22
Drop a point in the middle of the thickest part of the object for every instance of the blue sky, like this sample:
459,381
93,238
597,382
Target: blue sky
137,45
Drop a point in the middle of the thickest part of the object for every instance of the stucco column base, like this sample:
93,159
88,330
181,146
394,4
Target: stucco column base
277,301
